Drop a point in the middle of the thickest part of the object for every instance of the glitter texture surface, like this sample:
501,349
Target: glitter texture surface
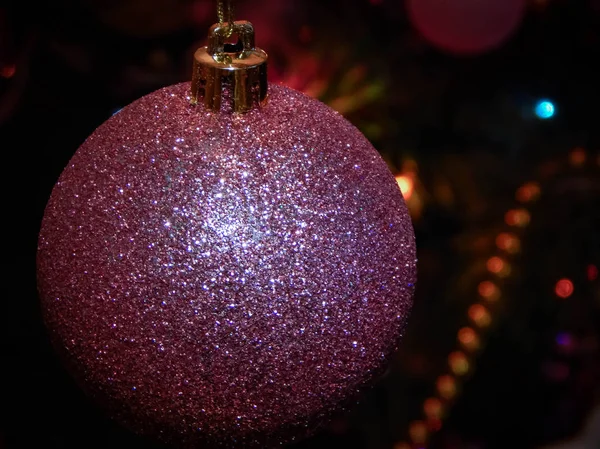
226,279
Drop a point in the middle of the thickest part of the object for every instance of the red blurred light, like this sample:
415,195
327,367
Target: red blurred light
564,288
8,71
592,272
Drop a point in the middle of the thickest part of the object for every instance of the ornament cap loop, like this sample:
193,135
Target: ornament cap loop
227,74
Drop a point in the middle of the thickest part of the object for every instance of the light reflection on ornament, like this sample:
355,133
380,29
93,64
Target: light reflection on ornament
446,386
564,288
480,315
488,291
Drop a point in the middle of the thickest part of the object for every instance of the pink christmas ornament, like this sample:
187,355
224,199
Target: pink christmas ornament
215,278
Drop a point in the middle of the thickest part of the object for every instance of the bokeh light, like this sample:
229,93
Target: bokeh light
488,291
433,408
577,157
8,71
459,364
564,288
592,272
508,242
545,109
517,217
406,185
446,386
480,315
456,27
468,338
418,432
565,342
528,192
498,266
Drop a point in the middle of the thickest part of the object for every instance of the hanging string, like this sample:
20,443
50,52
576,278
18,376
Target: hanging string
225,15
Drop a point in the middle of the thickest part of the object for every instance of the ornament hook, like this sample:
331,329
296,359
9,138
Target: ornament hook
237,71
225,15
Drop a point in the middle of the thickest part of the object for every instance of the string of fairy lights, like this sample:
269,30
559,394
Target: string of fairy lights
483,311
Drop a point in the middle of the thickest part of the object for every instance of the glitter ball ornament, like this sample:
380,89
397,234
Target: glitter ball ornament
215,278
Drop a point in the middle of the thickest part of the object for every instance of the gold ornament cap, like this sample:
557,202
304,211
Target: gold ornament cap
227,74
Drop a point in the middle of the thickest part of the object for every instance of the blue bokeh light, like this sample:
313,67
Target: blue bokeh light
545,109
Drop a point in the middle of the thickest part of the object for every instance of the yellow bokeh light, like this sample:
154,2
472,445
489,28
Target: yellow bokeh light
459,364
446,386
406,185
480,315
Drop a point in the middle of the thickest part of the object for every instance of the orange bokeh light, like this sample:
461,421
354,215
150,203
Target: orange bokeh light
406,185
508,242
498,266
495,264
517,217
528,192
488,291
433,408
468,338
459,364
480,315
418,432
564,288
446,386
577,157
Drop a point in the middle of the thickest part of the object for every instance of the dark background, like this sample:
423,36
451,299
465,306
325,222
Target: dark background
462,130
